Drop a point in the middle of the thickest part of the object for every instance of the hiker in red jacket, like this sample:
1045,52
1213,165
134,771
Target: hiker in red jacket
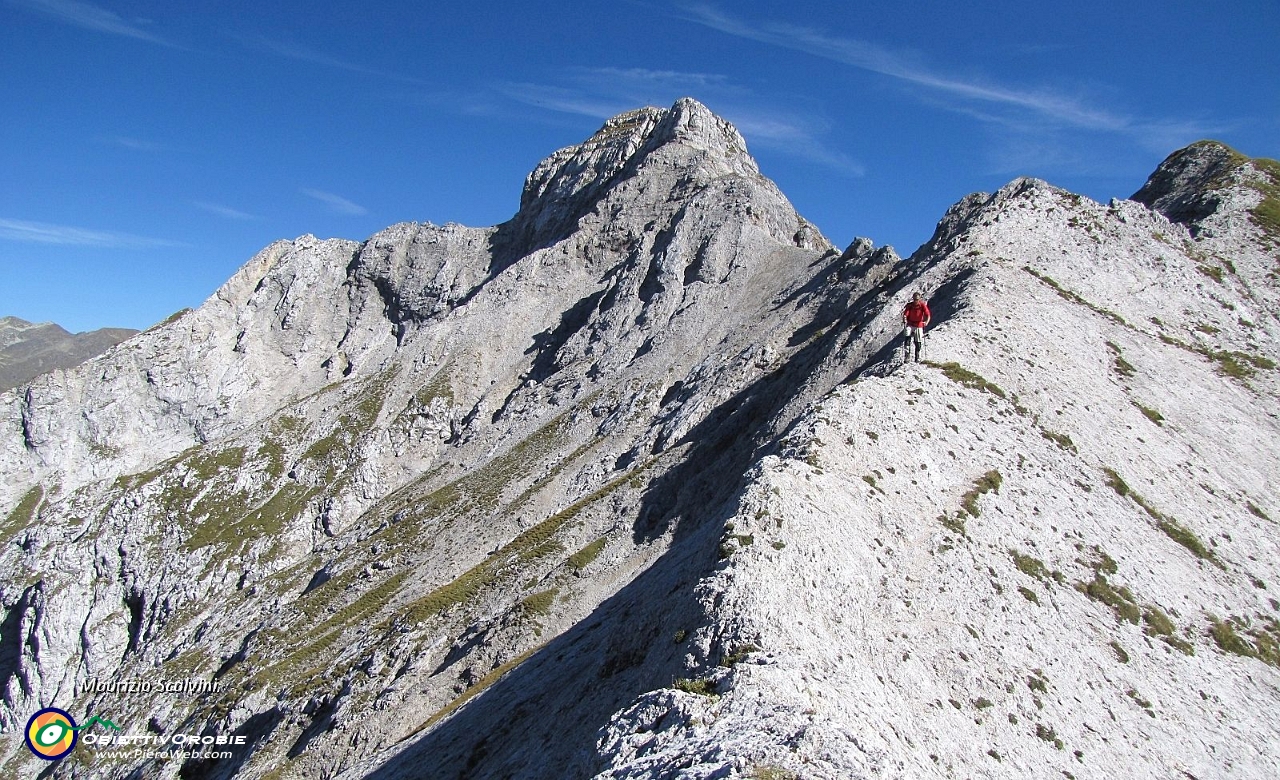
915,317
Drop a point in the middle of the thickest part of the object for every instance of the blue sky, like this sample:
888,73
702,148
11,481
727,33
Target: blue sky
148,148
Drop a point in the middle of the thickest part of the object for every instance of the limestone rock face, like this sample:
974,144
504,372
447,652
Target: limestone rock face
635,485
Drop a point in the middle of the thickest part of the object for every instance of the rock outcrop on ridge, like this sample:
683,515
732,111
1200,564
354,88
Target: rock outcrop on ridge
635,485
28,350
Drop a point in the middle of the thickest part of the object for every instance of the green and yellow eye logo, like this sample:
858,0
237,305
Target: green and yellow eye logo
51,733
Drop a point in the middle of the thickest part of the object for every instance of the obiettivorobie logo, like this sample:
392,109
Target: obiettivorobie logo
52,733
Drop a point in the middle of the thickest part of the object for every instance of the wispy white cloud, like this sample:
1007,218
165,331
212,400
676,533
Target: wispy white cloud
294,51
601,93
66,235
472,101
986,100
563,99
873,57
1025,141
93,17
133,144
224,211
637,81
1162,135
798,140
1029,49
604,92
336,203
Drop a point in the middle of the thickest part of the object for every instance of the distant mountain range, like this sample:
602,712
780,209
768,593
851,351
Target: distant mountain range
30,349
638,485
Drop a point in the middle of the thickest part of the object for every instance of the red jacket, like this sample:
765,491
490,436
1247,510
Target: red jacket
917,314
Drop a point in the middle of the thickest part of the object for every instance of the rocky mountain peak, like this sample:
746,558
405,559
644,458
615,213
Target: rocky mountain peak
1196,182
982,208
692,124
695,144
1187,174
13,329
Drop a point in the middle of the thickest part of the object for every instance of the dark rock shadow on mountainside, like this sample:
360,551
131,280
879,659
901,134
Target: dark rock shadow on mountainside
725,445
257,730
547,344
11,643
545,220
321,722
946,300
542,719
521,236
470,640
831,309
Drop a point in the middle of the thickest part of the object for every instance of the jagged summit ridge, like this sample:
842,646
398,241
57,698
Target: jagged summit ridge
1189,173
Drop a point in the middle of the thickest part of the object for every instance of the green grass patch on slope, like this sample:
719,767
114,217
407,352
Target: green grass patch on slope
1034,567
987,483
701,687
534,543
1119,599
1239,636
1233,364
266,521
539,603
1073,297
1150,414
334,453
481,490
1122,367
1169,525
1266,215
963,376
23,514
206,466
587,555
1061,439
